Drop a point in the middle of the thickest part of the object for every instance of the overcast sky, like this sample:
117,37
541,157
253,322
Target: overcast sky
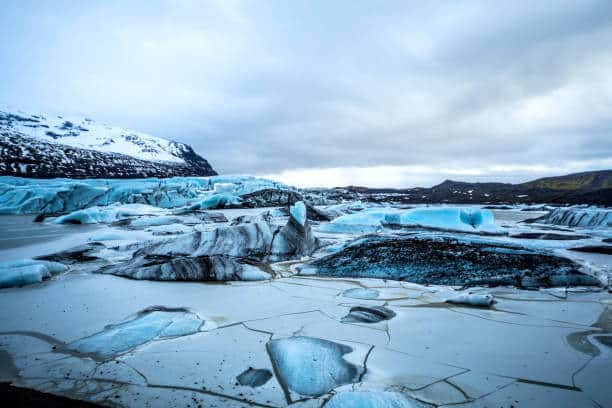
323,93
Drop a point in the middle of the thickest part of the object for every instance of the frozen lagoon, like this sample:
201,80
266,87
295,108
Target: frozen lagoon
530,348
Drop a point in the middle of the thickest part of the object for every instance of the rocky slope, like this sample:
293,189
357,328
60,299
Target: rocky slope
46,147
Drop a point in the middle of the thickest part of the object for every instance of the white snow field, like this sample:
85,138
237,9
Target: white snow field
132,293
86,133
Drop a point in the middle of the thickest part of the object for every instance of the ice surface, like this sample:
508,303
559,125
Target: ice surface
312,366
298,212
371,399
149,325
26,272
361,293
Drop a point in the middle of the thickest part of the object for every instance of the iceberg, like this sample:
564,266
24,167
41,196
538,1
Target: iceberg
447,219
582,217
226,253
365,221
27,271
108,214
371,220
472,299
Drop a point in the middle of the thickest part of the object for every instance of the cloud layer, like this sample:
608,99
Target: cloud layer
319,93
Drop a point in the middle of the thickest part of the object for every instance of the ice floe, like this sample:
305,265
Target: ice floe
361,293
312,366
150,324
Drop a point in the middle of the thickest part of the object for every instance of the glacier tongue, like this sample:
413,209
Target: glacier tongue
59,196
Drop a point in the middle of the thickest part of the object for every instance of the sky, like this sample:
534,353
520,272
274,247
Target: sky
330,93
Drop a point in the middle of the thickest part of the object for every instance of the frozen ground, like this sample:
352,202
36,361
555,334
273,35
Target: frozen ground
295,339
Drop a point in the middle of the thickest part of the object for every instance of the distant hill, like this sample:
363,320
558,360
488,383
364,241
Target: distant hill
588,180
592,187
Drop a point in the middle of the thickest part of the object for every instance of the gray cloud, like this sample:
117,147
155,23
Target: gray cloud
269,87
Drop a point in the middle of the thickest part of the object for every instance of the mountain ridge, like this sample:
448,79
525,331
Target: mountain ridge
56,146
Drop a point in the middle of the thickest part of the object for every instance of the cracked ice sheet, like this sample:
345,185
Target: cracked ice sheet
520,394
583,312
321,325
594,378
505,349
210,362
81,305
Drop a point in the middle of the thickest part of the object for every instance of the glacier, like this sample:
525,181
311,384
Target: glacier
58,196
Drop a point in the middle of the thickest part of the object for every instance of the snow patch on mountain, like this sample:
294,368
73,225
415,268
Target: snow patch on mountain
85,133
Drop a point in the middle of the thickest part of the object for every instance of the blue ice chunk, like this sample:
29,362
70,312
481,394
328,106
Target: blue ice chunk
148,326
311,366
298,212
182,325
365,221
442,218
27,271
216,201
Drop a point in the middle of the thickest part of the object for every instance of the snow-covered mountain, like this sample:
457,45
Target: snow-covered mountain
59,146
